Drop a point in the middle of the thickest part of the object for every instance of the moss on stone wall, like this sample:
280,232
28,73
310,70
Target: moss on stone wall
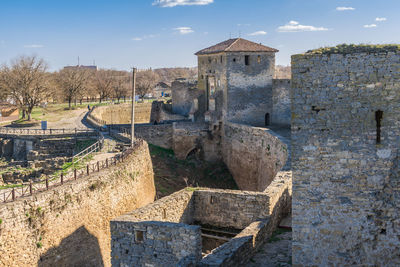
352,48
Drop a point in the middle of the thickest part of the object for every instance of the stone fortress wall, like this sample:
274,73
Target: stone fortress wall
249,96
121,114
253,155
281,114
345,141
69,224
184,92
168,232
241,147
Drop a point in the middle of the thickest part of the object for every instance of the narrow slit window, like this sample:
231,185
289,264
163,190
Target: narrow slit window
221,59
247,60
378,119
258,59
164,214
267,119
139,236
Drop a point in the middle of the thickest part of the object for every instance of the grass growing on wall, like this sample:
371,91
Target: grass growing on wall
352,48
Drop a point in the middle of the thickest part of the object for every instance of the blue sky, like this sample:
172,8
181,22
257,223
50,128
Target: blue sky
166,33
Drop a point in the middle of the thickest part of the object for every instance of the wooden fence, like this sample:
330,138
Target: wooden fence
28,189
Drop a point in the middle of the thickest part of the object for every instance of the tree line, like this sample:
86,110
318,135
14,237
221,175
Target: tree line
28,83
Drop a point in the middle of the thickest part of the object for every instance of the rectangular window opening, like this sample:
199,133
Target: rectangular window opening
378,119
139,236
247,60
164,214
259,59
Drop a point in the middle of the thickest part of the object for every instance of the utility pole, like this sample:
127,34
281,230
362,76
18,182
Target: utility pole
133,106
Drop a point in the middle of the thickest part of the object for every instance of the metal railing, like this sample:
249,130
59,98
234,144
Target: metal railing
28,189
96,147
36,132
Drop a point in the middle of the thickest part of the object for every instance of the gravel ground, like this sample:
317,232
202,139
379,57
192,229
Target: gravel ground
277,252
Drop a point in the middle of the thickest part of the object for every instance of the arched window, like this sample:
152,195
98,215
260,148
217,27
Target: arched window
267,119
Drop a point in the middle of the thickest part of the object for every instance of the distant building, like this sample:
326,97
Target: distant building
90,67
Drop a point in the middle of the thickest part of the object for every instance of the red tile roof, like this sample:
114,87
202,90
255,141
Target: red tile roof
236,45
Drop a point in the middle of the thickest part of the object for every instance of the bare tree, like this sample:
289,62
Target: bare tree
4,89
27,82
103,81
145,82
120,85
72,82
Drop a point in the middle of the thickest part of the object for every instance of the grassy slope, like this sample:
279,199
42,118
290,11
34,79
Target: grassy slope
171,174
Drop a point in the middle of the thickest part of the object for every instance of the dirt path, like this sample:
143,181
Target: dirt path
72,121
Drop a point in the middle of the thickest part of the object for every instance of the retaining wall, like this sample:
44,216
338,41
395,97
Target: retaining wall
121,114
253,155
69,224
160,235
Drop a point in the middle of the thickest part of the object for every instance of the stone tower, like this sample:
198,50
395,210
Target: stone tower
236,76
345,156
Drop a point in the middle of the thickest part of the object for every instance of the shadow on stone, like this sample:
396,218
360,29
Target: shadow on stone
81,248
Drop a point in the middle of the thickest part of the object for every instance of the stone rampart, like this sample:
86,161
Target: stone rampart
345,160
183,93
253,155
281,114
121,114
168,231
162,112
159,135
69,224
243,246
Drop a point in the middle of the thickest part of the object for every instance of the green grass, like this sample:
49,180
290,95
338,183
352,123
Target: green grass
192,189
352,48
159,151
83,144
274,237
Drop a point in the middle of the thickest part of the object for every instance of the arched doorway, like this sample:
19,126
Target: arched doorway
267,119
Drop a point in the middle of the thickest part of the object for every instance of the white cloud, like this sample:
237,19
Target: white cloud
258,33
370,26
344,8
34,46
380,19
144,37
172,3
184,30
294,26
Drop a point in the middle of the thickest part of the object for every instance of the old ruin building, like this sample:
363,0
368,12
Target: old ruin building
200,227
236,76
235,83
345,143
